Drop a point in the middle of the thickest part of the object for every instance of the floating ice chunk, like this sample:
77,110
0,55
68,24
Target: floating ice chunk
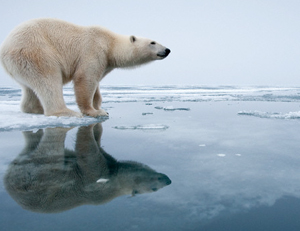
202,145
11,120
271,115
102,180
147,113
143,127
171,108
238,154
221,155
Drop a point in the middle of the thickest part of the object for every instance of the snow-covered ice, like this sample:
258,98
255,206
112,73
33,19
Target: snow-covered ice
172,108
273,115
143,127
11,118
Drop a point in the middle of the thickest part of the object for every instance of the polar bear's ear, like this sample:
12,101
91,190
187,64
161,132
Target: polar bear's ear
132,38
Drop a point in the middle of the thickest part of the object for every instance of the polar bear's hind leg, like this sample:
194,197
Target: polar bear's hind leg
30,102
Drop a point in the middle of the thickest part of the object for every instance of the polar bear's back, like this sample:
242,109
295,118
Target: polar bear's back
52,40
41,34
43,45
43,30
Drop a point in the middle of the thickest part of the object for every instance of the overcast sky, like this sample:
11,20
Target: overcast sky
237,42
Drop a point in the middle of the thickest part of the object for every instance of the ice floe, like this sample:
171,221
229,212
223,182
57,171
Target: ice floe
22,121
147,113
221,155
143,127
179,93
272,115
11,118
171,108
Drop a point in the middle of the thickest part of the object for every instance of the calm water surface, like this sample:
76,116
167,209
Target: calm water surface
156,166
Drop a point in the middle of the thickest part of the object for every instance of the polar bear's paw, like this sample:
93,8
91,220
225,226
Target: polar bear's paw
67,112
95,113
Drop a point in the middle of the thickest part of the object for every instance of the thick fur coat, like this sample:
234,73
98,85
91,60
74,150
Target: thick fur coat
44,54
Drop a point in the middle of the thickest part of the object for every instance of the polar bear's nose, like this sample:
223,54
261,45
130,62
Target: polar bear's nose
164,54
168,51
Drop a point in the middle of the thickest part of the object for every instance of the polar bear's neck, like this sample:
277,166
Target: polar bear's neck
124,54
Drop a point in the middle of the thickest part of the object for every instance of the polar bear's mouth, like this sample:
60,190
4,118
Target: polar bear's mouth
161,55
164,53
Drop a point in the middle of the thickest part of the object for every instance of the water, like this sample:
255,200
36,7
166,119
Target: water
168,158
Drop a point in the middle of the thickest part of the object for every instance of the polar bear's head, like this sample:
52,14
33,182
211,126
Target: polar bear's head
148,48
131,51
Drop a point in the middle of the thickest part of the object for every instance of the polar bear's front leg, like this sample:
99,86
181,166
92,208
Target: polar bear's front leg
88,97
97,101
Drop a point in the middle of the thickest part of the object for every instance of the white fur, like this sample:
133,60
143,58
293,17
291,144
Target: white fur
44,54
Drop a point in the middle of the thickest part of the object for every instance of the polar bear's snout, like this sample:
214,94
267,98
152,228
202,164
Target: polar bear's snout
164,54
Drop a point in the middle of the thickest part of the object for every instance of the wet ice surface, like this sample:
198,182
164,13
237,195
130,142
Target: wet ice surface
12,119
232,156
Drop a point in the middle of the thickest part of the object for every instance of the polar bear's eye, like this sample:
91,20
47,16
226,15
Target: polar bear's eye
153,43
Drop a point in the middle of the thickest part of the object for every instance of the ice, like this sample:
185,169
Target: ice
271,115
195,93
181,93
222,162
221,155
11,118
171,108
21,121
143,127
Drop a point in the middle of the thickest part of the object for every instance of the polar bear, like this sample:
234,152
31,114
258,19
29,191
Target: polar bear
50,178
44,54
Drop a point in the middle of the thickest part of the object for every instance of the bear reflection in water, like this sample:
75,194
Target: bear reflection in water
46,177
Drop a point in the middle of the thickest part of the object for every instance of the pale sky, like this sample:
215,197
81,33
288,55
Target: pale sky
219,42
